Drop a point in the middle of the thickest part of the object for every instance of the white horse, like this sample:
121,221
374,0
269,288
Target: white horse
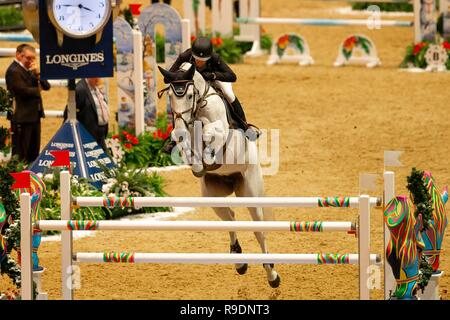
193,99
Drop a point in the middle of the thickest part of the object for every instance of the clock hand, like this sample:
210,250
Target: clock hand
83,7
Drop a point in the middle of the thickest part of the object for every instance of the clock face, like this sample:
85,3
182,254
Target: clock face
81,18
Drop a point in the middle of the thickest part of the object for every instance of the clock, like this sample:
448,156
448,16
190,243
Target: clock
79,19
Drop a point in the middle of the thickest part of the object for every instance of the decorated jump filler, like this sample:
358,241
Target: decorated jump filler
357,49
417,230
403,250
290,48
29,182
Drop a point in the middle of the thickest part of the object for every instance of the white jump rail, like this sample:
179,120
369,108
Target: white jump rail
48,114
210,258
247,202
261,226
53,83
363,258
323,22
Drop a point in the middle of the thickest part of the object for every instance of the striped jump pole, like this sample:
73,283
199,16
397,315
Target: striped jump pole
257,226
260,202
324,22
210,258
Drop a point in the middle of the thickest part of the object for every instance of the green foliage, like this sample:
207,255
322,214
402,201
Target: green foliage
406,7
425,273
10,16
146,149
11,204
229,50
124,182
128,16
421,197
160,48
51,203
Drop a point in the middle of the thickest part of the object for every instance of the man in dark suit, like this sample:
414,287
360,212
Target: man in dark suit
92,108
24,83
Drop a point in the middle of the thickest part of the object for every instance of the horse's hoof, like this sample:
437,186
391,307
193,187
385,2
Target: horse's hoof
199,174
275,283
242,270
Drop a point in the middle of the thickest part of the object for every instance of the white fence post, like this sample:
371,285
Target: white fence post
26,232
186,34
138,74
364,247
389,193
66,236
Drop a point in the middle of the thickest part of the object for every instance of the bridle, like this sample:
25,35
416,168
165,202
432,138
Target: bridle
180,88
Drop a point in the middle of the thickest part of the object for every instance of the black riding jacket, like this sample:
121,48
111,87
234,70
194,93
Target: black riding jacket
214,65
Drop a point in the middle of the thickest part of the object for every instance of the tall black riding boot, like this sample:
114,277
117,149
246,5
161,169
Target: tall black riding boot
239,117
237,108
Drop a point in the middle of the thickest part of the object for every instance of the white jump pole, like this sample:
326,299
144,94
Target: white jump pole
138,75
364,247
211,258
66,237
252,202
257,226
53,83
389,193
26,232
324,22
48,114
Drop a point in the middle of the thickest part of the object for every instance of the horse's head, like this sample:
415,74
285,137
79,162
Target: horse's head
183,95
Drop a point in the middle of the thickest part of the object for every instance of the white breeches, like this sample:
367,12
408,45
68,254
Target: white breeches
227,90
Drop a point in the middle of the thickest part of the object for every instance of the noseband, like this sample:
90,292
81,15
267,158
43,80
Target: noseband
180,88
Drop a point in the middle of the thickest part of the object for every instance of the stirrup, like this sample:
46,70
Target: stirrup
254,131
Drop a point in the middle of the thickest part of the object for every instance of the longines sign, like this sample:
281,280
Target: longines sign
75,58
74,61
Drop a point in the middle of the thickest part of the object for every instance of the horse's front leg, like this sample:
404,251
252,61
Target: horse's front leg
272,276
226,214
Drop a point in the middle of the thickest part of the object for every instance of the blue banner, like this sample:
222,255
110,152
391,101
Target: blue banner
76,58
85,154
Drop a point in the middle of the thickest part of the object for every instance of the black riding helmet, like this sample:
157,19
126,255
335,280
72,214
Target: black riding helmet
202,48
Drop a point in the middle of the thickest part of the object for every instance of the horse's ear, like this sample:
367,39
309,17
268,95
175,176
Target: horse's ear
168,76
190,73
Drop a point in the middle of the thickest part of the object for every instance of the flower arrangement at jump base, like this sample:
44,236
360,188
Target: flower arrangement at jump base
144,150
284,41
353,42
416,54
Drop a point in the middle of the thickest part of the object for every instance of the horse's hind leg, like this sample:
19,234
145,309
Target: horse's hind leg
252,186
213,186
227,214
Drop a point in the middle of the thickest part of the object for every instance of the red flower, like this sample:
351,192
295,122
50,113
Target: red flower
219,41
350,43
193,38
446,45
128,146
154,135
169,128
116,136
418,47
134,140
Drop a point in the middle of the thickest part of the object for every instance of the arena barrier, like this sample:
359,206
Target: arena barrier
362,230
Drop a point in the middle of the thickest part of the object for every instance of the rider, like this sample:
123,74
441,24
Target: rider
211,66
